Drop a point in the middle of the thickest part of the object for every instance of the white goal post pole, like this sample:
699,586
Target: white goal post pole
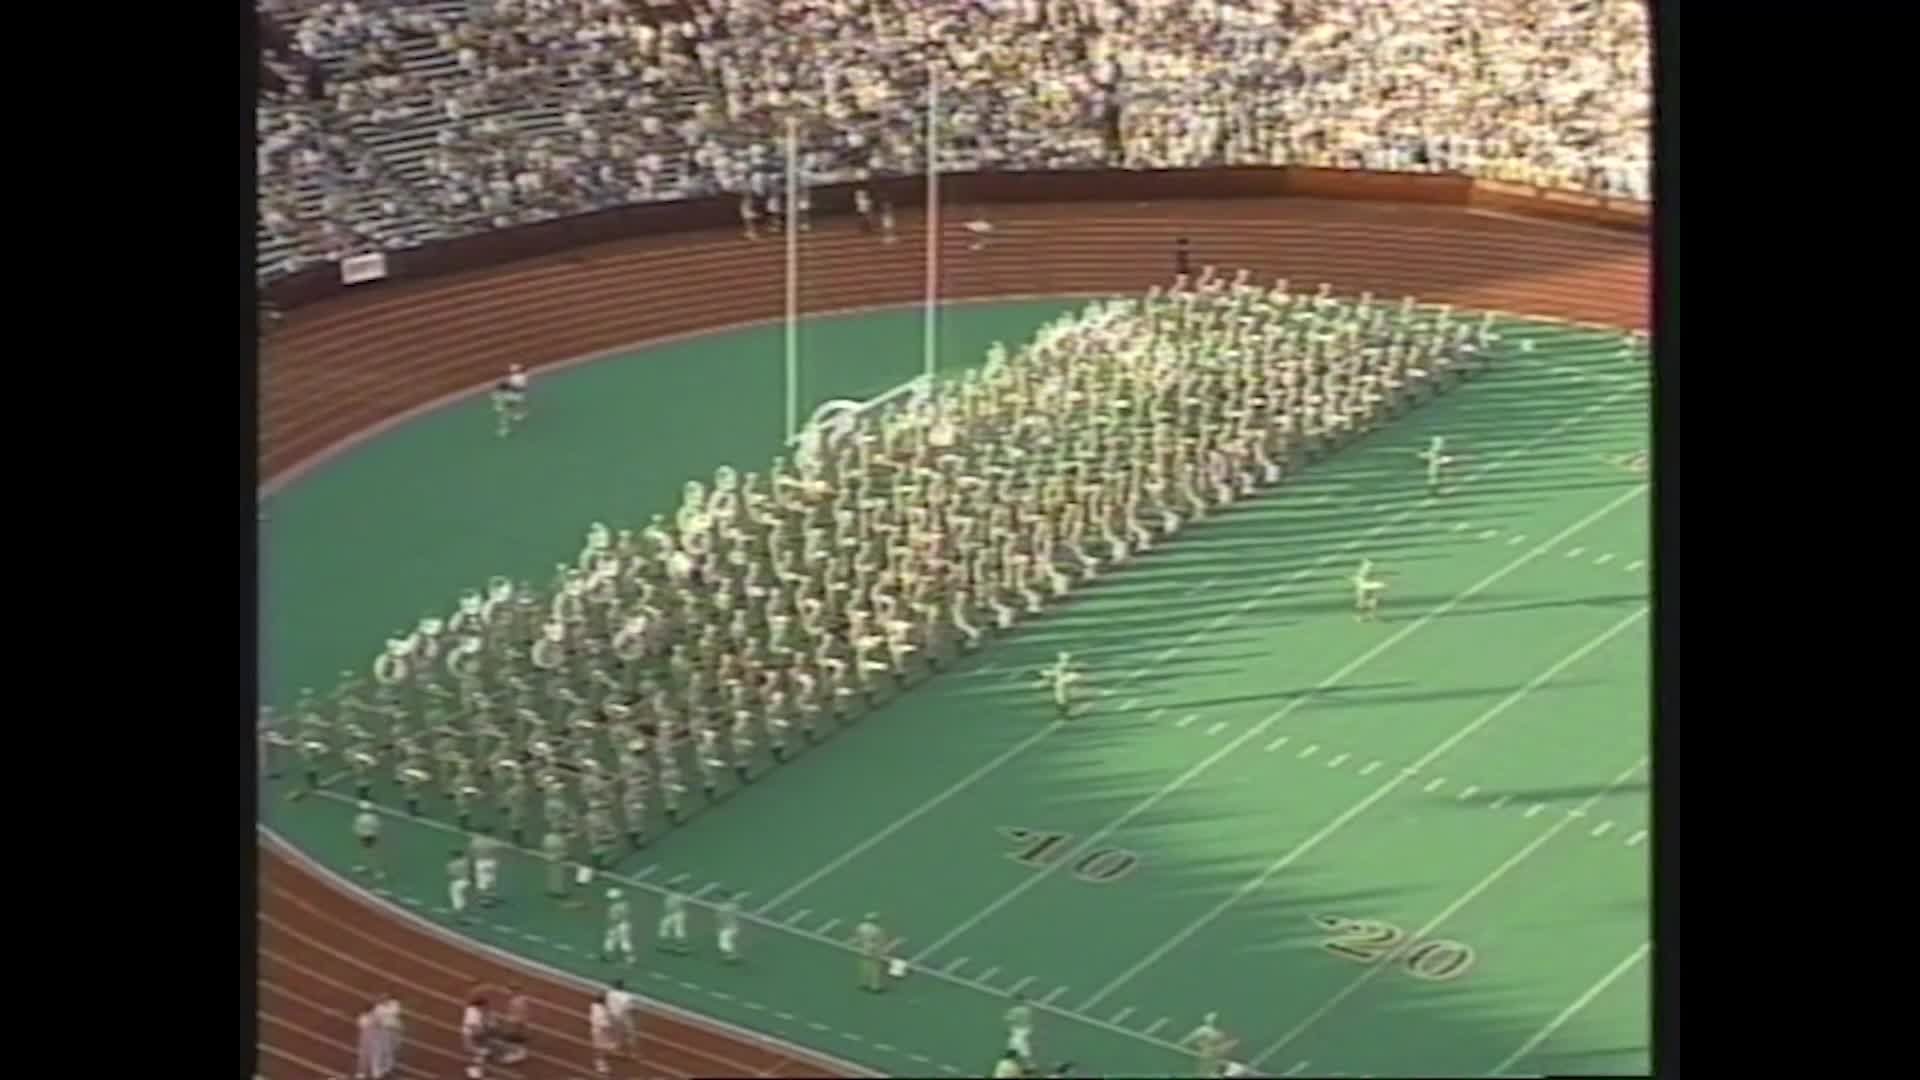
933,219
793,278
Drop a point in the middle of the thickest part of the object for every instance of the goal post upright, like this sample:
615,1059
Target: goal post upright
930,345
793,278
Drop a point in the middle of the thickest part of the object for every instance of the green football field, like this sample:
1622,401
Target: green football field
1412,846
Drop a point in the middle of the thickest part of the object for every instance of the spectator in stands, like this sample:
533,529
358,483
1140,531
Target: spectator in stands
527,110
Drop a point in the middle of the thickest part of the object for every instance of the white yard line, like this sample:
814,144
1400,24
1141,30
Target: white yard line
1465,898
1261,728
1361,807
909,818
1021,747
1566,1014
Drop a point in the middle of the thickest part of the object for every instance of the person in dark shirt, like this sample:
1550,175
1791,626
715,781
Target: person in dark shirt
1181,264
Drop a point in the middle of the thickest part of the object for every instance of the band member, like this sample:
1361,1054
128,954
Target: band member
510,401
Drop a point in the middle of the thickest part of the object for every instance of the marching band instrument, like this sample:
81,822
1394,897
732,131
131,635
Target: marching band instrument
548,653
629,643
391,668
463,660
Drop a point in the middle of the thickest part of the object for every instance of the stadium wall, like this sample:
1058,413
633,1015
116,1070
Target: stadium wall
501,246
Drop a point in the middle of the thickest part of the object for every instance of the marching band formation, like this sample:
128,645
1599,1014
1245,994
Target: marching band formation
775,606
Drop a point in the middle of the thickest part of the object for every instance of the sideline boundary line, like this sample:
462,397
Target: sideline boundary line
298,469
754,918
320,457
333,878
1566,1014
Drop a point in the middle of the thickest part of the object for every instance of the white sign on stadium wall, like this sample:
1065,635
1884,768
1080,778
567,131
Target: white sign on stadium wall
355,269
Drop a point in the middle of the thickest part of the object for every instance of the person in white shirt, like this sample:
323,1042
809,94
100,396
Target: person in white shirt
510,401
392,1029
672,933
624,1009
474,1036
366,1062
748,216
604,1035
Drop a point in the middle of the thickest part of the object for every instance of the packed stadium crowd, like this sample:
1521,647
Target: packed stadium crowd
416,120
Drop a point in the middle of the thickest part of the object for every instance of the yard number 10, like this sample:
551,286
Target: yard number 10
1040,849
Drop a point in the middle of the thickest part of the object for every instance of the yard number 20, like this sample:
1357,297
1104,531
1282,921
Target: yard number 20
1366,940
